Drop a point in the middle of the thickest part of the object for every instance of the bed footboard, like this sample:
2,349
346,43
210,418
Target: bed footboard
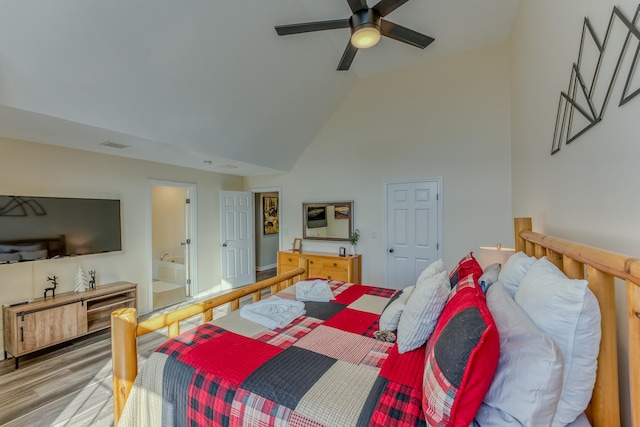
125,329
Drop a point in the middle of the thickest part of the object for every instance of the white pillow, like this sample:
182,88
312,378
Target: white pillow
391,315
431,270
422,311
527,383
514,270
569,312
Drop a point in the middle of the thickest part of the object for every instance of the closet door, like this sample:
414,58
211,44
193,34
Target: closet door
413,230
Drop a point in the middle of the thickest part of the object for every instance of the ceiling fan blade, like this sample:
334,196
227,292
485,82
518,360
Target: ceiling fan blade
357,5
308,27
347,57
403,34
385,7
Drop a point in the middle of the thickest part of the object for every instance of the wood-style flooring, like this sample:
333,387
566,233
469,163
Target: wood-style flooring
70,385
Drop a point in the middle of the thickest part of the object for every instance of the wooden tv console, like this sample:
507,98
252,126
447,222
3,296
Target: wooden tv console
45,322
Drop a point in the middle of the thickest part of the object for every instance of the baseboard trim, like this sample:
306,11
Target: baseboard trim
266,267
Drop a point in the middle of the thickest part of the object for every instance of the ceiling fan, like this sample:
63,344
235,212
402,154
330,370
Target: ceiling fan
366,26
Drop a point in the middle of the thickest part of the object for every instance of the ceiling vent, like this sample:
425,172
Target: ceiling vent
114,145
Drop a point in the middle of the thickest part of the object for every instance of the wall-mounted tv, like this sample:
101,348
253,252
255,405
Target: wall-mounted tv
33,228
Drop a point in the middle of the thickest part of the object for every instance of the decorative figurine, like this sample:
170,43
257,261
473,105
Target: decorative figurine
92,282
54,281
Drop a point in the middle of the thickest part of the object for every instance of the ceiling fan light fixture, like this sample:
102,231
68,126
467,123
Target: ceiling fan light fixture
365,36
367,27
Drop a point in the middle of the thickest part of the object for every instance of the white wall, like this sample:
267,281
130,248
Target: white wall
40,170
587,191
448,118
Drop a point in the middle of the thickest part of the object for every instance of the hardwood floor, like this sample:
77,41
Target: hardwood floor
71,384
265,274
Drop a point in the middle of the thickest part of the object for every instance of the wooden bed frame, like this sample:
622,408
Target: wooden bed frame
599,266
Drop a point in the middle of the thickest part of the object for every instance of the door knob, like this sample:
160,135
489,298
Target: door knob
224,245
391,251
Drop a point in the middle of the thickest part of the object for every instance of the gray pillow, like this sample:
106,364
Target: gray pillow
10,257
489,276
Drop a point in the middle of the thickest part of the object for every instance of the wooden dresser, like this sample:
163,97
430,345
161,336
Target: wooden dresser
326,265
48,321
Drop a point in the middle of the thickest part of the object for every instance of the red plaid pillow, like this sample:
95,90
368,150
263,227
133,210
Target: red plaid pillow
461,357
467,265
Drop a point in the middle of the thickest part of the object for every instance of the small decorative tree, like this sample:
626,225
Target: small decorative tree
81,281
353,239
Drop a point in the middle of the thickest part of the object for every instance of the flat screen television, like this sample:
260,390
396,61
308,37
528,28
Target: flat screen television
33,228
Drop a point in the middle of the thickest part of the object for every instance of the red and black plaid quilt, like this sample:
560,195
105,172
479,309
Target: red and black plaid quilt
324,369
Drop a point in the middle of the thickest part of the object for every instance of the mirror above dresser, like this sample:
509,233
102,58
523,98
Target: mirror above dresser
332,221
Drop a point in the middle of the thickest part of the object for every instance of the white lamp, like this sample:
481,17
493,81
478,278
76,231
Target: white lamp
365,36
488,255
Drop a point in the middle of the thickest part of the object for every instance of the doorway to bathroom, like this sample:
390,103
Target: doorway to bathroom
172,245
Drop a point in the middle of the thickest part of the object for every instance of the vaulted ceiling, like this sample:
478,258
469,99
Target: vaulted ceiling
206,84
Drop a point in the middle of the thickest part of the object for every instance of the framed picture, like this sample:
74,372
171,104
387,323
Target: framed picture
297,245
342,251
271,218
341,212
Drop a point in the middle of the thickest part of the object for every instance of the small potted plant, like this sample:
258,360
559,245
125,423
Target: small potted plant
353,240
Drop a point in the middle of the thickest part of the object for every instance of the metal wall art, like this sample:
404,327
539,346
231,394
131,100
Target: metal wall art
581,107
19,206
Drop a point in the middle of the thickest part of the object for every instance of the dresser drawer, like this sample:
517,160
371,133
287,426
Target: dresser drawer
288,261
336,264
315,263
342,276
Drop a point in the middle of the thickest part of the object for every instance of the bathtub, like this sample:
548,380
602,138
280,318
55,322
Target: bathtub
171,269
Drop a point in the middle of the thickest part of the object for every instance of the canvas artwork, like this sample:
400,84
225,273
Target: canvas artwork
271,223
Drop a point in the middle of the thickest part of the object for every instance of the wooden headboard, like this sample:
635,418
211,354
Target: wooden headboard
600,267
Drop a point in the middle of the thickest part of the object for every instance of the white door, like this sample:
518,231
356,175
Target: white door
236,234
413,230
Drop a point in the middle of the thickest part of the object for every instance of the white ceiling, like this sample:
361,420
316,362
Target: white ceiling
187,81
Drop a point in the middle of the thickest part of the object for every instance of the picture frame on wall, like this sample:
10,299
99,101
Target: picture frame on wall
297,245
271,217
